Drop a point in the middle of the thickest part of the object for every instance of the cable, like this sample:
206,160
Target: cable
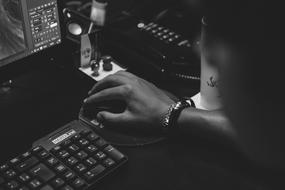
73,3
84,6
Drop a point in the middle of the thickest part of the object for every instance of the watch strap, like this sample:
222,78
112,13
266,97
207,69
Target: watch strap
170,118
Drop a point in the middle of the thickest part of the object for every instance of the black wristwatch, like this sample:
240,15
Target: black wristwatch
170,118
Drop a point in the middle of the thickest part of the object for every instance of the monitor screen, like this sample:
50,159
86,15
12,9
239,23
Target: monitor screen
27,27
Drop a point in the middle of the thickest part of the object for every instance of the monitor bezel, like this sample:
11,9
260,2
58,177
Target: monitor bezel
51,54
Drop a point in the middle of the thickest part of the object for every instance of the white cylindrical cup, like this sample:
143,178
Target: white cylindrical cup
98,12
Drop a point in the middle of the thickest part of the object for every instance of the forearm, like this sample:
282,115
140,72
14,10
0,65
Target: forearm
212,125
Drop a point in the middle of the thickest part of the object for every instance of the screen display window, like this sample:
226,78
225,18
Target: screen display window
27,27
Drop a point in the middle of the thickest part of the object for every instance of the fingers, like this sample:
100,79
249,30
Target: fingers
133,77
130,76
109,118
115,93
108,82
126,74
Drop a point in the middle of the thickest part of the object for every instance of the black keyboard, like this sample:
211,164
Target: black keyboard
73,157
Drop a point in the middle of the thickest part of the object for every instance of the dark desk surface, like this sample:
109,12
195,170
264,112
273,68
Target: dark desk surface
45,99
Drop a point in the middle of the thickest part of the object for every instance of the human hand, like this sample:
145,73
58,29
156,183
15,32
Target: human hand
145,103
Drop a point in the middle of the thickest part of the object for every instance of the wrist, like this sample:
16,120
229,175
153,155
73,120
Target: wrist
169,120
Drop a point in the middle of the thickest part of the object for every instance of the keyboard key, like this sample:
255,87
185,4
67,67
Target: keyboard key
47,187
147,28
154,31
66,143
24,177
89,176
27,164
101,143
69,175
26,155
92,137
76,137
43,154
85,132
108,162
67,187
166,30
37,149
78,183
10,173
83,142
159,34
63,154
100,155
94,172
52,161
91,162
4,167
42,172
80,168
35,184
56,149
165,37
81,155
12,185
56,183
14,161
114,153
72,161
60,168
160,28
91,149
73,148
170,40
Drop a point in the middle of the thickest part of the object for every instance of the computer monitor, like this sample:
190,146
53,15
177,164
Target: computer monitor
27,27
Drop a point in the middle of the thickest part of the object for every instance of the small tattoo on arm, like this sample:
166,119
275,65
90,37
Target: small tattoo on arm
212,82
